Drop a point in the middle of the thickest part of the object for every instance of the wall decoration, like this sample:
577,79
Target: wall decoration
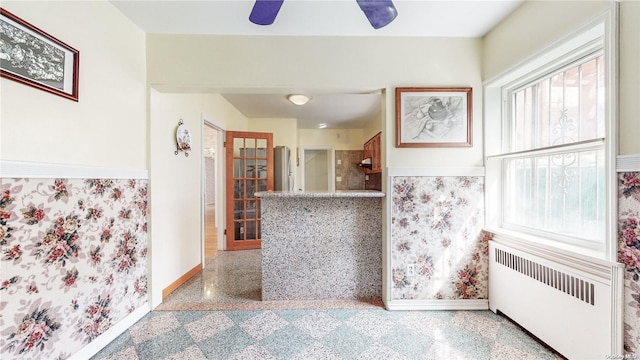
32,57
183,139
433,117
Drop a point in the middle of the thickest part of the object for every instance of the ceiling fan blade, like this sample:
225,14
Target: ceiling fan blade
264,12
379,12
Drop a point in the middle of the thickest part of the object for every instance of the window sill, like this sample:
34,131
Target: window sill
548,248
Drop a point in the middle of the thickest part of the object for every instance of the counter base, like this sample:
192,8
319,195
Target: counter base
316,248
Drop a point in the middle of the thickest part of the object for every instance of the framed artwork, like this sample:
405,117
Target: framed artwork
32,57
433,117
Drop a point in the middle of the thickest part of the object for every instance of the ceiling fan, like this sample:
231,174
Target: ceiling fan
378,12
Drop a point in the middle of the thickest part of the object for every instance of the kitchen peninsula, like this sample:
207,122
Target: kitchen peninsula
321,245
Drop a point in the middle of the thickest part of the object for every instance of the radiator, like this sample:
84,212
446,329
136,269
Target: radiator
573,305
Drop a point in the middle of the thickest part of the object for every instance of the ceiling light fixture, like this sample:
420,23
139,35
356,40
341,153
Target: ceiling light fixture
298,99
322,125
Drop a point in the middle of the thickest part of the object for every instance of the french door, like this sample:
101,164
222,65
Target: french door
249,162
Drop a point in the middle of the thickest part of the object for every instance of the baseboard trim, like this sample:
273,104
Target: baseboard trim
111,334
181,280
482,304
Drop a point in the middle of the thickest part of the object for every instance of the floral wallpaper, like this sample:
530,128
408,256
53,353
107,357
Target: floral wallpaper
629,255
436,225
72,262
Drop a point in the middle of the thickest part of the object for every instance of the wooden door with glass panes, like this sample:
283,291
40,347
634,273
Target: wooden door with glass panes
249,162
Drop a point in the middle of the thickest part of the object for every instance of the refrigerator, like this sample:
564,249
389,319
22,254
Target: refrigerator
282,169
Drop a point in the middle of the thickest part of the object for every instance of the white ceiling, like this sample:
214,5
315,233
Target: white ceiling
336,110
450,18
470,18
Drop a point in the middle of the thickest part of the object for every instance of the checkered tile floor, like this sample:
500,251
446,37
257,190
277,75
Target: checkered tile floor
212,317
324,334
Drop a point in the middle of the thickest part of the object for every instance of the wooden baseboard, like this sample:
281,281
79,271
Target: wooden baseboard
181,280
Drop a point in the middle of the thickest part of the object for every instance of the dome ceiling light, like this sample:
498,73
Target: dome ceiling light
379,12
298,99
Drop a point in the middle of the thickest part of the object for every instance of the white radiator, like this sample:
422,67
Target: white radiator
573,305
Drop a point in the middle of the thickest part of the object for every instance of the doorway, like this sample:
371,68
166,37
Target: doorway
210,149
212,189
249,165
318,169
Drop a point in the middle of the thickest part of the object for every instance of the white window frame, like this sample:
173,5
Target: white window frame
601,33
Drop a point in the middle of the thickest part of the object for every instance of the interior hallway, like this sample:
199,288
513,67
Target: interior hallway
210,231
218,315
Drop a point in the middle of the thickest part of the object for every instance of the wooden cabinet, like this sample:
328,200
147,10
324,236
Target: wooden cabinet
372,150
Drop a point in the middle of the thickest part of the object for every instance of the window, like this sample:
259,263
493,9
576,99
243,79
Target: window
554,178
550,145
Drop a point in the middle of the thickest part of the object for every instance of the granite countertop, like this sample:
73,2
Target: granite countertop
321,194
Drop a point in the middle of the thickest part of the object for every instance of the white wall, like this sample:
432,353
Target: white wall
107,127
176,182
629,77
372,127
284,130
532,27
340,139
328,64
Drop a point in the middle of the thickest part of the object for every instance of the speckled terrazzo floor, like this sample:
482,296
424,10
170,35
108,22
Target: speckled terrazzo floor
245,329
231,280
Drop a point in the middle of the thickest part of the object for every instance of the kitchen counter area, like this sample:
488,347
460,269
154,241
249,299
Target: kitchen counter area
321,245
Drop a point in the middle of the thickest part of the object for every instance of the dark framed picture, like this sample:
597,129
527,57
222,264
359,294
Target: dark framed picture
32,57
433,117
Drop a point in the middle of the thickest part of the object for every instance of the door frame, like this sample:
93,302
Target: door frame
220,185
230,159
331,165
